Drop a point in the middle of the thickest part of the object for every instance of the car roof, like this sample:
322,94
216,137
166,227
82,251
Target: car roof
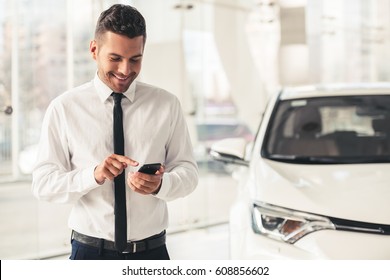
308,91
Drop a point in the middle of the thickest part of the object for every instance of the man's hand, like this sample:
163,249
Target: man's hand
111,167
145,183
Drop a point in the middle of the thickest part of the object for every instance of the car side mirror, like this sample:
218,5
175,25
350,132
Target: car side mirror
230,150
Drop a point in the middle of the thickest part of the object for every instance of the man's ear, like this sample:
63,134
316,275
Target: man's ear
93,49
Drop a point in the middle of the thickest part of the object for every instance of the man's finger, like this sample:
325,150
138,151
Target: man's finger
114,163
161,170
125,159
137,190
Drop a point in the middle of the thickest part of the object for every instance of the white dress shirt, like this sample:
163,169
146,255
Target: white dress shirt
77,135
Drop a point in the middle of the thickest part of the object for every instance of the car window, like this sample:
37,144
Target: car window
330,129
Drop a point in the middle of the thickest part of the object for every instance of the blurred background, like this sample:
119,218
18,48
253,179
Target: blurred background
222,58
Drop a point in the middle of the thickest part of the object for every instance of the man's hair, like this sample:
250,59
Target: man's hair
123,20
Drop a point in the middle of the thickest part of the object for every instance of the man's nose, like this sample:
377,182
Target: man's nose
124,68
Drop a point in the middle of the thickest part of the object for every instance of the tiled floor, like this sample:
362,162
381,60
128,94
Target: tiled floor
200,244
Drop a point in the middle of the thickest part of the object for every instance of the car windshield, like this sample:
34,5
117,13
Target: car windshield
346,129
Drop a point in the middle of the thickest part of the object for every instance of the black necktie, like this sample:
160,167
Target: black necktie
119,181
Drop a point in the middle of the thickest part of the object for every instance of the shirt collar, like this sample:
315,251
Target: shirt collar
104,92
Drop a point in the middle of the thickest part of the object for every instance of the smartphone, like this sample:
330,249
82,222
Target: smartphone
150,168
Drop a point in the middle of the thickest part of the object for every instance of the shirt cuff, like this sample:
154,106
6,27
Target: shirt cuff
165,186
87,179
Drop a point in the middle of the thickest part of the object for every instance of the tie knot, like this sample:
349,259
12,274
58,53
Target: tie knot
117,97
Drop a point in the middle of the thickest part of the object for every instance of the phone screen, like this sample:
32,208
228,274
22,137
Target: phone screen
150,168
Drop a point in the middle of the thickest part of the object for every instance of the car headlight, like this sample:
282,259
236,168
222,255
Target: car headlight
285,224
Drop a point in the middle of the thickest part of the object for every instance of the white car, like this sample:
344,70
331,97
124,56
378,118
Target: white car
315,183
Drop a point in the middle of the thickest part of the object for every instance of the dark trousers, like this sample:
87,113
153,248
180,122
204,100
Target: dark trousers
81,251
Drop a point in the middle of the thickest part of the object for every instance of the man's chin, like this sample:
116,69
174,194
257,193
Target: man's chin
120,88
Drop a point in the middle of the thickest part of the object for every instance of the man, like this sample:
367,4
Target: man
76,161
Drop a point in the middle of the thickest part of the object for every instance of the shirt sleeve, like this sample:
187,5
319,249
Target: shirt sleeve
53,179
181,171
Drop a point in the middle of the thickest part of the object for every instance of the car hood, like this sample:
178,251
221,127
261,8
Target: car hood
357,192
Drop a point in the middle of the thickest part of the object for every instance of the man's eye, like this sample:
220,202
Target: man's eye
115,58
135,60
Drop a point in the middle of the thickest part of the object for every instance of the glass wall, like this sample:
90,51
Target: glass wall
222,58
348,40
43,52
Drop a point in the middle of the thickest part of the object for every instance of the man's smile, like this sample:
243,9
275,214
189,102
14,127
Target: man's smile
121,78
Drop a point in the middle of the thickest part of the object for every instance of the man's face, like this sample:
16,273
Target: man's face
118,58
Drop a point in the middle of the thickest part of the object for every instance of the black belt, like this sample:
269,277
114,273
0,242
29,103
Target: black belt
149,243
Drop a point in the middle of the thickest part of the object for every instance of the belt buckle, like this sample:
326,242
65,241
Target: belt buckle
131,248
